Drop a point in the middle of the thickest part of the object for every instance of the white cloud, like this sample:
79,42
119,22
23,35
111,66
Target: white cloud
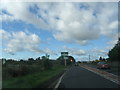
21,41
6,18
4,35
114,25
49,51
113,41
20,11
69,22
74,51
95,53
100,51
80,25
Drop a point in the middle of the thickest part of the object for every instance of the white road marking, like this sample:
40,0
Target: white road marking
60,79
59,82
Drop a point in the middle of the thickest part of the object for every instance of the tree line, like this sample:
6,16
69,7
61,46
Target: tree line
114,53
14,68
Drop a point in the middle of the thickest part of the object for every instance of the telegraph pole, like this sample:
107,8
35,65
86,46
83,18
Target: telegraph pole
89,58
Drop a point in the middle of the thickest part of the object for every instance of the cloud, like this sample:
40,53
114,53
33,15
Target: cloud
100,52
49,51
4,35
20,11
68,22
113,41
80,25
74,51
21,41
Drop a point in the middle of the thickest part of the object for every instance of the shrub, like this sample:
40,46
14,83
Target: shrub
47,64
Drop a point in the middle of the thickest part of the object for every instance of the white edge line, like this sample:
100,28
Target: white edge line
59,81
56,86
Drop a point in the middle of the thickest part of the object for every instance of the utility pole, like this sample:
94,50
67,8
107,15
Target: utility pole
89,58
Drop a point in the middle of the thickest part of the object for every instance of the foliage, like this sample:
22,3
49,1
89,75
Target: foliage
14,68
47,64
69,61
30,59
38,58
43,57
114,53
72,58
79,61
33,80
100,58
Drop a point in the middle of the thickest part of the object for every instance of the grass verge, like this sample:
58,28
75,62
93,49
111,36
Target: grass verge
33,80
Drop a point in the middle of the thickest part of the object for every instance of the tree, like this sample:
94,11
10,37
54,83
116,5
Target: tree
43,57
61,60
114,53
47,64
21,60
38,58
103,59
79,61
71,58
69,61
47,56
100,58
30,59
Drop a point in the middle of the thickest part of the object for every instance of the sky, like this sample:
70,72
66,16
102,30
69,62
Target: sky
32,29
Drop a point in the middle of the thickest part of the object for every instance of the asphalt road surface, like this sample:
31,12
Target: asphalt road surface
78,77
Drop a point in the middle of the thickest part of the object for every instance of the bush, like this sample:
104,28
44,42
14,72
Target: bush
47,64
9,72
114,52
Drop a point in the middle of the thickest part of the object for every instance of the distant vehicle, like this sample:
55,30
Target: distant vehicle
76,64
103,65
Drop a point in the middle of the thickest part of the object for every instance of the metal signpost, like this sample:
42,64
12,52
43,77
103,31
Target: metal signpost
65,56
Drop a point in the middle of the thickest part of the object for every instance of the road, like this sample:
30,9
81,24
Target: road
78,77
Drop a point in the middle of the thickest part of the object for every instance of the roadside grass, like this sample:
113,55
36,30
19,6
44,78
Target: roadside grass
33,80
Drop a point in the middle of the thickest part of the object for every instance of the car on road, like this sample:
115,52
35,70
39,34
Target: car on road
76,64
103,65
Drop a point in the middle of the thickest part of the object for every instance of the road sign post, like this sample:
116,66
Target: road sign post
65,56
